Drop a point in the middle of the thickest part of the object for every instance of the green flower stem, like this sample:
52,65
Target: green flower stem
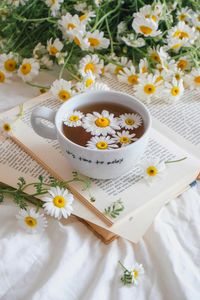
125,269
38,85
175,161
110,36
19,18
66,61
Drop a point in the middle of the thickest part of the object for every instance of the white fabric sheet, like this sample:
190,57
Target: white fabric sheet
70,263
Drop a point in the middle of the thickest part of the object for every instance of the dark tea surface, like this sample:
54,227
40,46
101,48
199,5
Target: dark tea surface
81,135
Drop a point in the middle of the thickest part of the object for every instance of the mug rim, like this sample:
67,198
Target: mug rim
149,122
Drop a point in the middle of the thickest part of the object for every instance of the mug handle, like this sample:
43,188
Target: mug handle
44,113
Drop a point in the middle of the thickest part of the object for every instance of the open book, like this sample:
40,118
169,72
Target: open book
141,202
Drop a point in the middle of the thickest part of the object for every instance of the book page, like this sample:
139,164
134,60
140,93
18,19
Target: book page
128,187
179,120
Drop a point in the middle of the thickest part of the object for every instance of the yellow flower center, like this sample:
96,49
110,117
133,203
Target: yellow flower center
30,221
176,46
77,41
83,17
182,17
175,91
159,78
155,57
53,2
149,89
89,82
198,18
26,68
89,67
197,79
135,274
102,122
146,30
129,121
118,69
2,77
144,69
124,140
10,65
64,95
102,145
59,201
177,76
71,26
133,79
53,50
181,34
74,118
198,28
152,171
6,127
182,64
93,42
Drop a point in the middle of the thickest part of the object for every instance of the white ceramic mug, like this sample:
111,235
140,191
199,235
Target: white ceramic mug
100,164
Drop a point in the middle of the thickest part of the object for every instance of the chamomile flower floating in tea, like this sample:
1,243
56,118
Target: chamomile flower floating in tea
8,62
59,203
101,123
31,221
74,119
152,168
124,138
130,121
28,69
101,143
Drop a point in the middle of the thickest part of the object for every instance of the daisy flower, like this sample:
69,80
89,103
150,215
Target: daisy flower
124,138
4,76
148,12
98,86
74,119
17,2
6,127
131,41
158,54
128,75
46,62
98,2
196,22
183,33
77,36
91,63
39,51
54,5
193,79
137,271
121,63
97,41
183,63
88,79
147,87
87,16
54,47
184,14
146,27
31,221
59,203
175,72
173,90
152,168
175,44
62,89
69,22
8,62
143,66
100,124
28,69
130,121
101,143
81,6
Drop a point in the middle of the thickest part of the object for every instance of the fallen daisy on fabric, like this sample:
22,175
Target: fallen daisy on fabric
73,119
31,221
133,275
59,202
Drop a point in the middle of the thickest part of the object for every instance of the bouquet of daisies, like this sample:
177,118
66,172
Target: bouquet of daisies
152,46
